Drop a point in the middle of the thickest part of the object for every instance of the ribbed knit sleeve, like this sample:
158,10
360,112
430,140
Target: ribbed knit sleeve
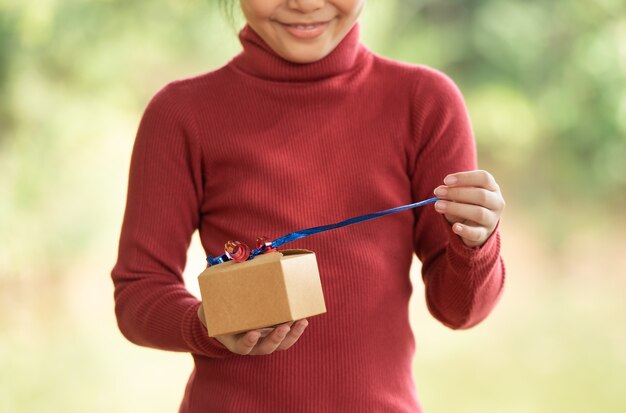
152,305
462,284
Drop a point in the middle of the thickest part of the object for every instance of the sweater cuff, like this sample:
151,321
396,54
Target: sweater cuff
197,336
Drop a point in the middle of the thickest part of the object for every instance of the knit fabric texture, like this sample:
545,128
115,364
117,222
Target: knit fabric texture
263,147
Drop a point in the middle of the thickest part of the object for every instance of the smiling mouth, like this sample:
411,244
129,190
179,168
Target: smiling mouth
305,26
303,30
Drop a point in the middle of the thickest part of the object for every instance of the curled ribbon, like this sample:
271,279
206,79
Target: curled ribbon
239,251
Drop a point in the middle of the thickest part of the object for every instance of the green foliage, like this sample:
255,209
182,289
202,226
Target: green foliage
545,84
75,77
8,43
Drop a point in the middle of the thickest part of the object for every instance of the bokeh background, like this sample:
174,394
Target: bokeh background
545,83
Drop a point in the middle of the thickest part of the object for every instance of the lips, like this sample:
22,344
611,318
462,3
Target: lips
302,30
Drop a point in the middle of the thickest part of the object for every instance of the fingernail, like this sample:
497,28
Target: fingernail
458,227
450,180
441,206
441,191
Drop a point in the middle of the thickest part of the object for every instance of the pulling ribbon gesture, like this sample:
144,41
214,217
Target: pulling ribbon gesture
239,251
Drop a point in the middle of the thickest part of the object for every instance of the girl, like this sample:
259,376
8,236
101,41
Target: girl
305,127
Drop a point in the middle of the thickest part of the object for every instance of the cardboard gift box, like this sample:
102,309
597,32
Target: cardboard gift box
272,288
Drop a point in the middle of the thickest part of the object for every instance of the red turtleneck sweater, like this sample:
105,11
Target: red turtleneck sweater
263,146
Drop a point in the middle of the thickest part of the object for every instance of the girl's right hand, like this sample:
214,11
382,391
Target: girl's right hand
261,341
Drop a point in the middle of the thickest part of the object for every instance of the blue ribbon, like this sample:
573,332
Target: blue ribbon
322,228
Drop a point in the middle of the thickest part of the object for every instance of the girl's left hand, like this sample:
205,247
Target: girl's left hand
472,204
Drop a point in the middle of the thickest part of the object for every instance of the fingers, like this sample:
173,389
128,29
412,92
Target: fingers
265,340
265,331
294,334
474,224
480,215
482,179
201,315
241,343
470,233
471,201
272,341
470,195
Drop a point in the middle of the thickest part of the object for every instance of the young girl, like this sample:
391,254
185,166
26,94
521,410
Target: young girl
307,127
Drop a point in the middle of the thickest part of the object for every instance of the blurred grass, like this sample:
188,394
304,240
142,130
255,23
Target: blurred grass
554,343
545,84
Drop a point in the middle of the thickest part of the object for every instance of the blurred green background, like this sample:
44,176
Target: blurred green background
545,83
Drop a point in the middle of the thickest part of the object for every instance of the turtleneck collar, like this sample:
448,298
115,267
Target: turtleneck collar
259,60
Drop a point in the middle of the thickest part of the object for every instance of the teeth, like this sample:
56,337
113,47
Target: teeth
301,27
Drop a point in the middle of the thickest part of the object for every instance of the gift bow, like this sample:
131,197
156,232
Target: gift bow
239,251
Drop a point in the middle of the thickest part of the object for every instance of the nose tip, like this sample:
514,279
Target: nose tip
306,5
